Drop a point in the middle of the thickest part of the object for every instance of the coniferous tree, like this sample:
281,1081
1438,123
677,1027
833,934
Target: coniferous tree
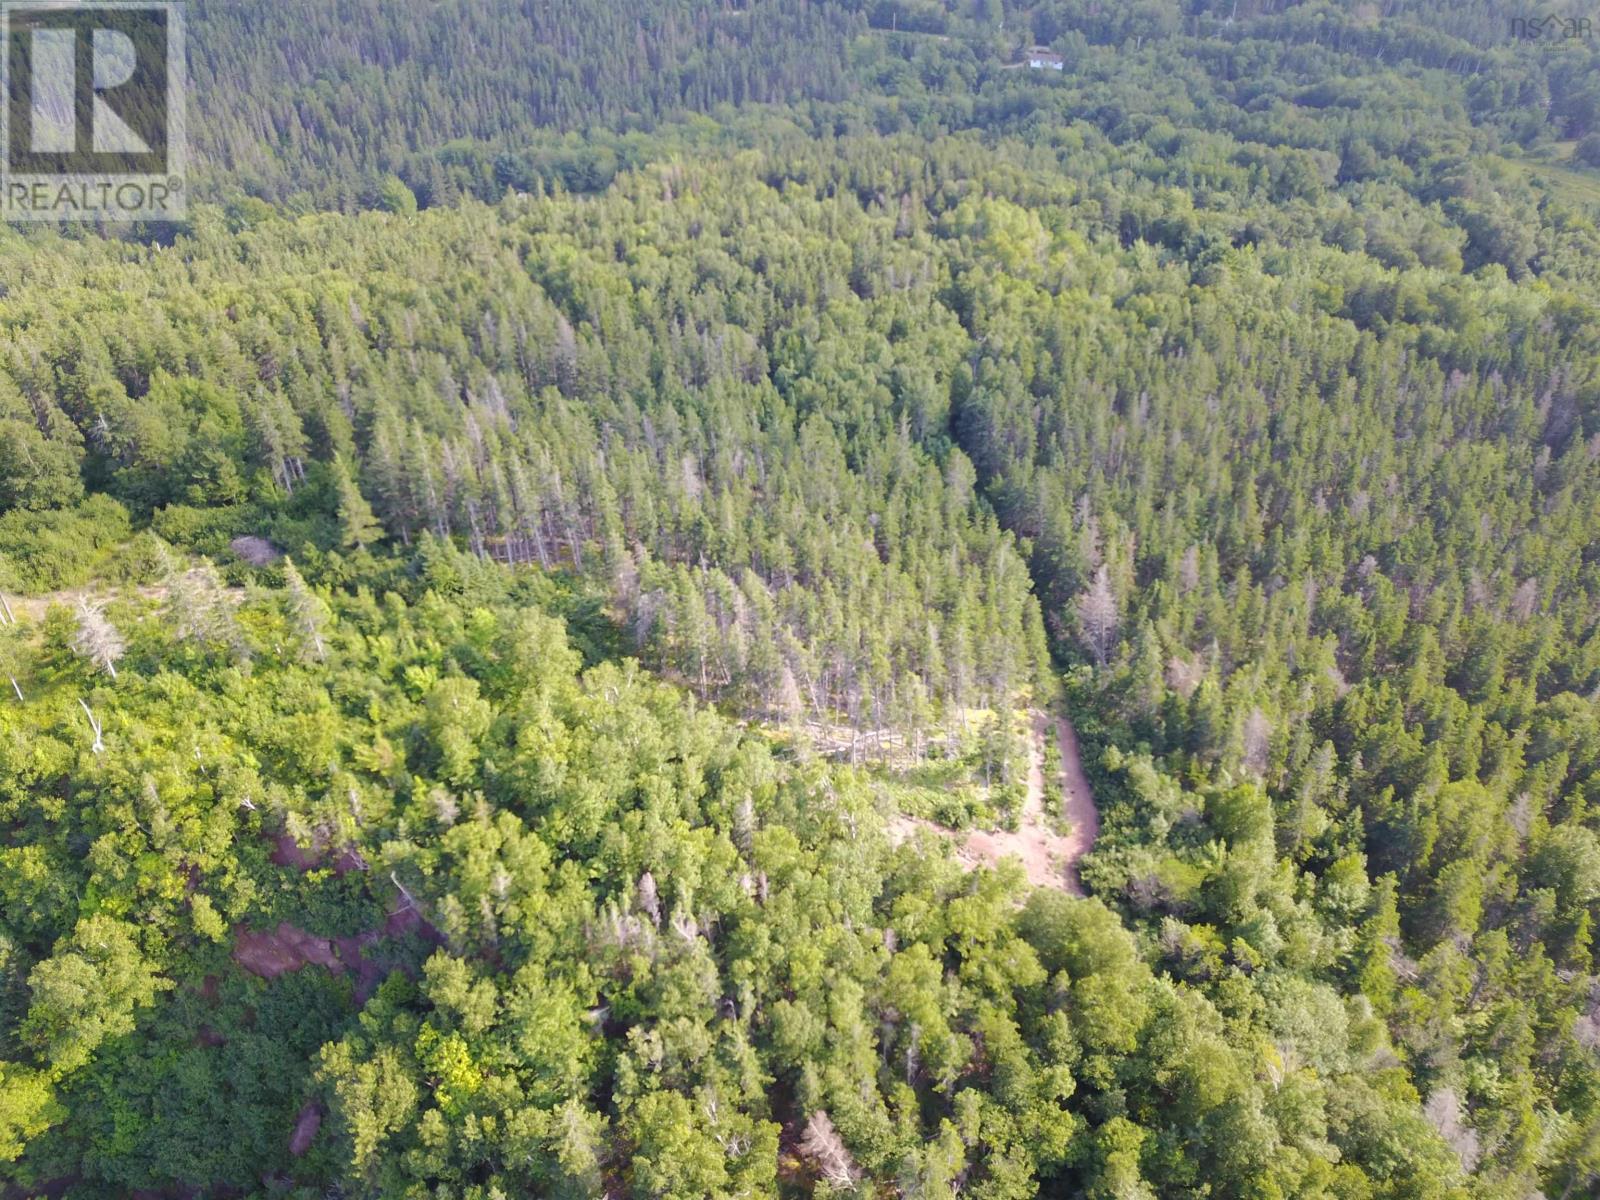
358,525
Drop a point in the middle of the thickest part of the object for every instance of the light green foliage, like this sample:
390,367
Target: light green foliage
27,1108
358,527
86,992
1249,365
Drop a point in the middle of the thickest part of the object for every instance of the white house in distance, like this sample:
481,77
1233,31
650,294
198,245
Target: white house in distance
1042,59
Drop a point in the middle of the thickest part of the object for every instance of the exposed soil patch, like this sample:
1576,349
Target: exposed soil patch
287,852
305,1128
1077,801
289,948
406,919
1049,859
257,551
34,608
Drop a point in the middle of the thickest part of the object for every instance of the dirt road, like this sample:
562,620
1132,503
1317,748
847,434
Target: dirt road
1078,801
1050,859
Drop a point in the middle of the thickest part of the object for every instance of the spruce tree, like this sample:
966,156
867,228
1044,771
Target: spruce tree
358,526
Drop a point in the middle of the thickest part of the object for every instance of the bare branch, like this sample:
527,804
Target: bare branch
97,639
822,1144
94,724
1097,617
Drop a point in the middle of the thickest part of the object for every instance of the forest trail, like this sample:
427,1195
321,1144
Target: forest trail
33,608
1077,802
1048,858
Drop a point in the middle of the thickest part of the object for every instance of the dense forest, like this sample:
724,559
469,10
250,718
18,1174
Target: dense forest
370,103
508,615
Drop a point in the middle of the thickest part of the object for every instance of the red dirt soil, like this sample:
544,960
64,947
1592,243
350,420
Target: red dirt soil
289,948
272,954
305,1129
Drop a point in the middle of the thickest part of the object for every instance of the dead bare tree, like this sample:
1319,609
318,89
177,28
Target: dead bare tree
94,724
97,639
822,1144
1446,1113
648,899
1097,617
9,663
1257,742
411,901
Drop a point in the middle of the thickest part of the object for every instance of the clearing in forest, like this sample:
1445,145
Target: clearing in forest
1049,858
